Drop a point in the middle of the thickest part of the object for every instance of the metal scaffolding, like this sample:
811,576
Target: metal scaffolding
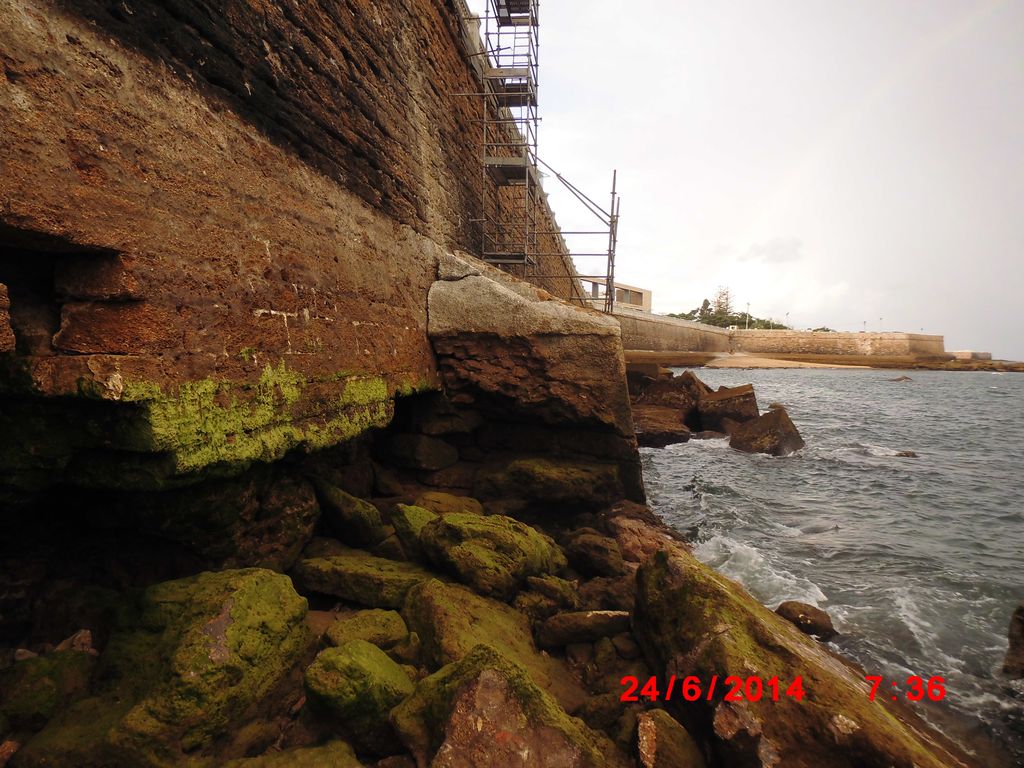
511,198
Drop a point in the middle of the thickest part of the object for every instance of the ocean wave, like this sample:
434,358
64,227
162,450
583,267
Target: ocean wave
747,565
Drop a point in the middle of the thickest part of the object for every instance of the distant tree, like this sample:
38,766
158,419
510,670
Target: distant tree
824,329
722,306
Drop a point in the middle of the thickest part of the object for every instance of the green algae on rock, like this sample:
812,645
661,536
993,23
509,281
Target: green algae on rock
664,743
359,577
357,681
442,503
334,754
382,628
421,719
450,620
409,520
34,690
183,665
552,482
353,520
493,554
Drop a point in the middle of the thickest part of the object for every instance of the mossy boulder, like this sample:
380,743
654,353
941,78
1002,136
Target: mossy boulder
358,683
351,519
334,754
486,704
408,521
359,577
34,690
692,621
493,554
451,620
443,503
180,669
382,628
552,483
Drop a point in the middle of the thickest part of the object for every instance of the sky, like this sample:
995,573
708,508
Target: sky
857,164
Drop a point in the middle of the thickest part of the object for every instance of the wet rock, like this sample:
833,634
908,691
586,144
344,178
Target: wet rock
773,433
677,393
450,620
334,754
382,628
901,378
36,688
659,425
493,554
443,503
729,404
664,743
181,669
581,627
353,520
692,621
359,577
487,710
358,683
1014,663
422,452
552,482
408,521
808,619
593,554
906,454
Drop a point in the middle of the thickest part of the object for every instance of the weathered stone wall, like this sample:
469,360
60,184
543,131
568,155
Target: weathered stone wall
822,343
642,331
224,220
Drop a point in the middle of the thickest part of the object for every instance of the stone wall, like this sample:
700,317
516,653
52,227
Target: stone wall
219,225
643,331
823,343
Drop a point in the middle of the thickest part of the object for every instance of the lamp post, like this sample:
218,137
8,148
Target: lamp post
746,324
787,320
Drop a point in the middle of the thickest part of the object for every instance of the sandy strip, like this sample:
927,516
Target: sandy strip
749,361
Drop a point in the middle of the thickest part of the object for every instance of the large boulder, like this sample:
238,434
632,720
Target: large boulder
773,433
493,554
659,425
485,709
808,619
722,410
692,621
450,620
408,520
359,577
1014,663
182,669
591,553
552,482
351,519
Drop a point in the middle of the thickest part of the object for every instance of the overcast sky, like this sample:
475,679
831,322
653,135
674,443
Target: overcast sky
842,161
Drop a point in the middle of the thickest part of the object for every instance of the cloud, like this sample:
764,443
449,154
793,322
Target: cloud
775,251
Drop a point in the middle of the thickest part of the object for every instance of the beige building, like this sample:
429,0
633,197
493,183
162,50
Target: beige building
626,296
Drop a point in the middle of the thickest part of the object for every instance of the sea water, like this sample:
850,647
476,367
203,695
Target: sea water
919,560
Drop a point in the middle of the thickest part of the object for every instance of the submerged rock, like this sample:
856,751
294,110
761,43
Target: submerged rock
773,433
179,671
450,620
492,554
692,621
808,619
487,710
1014,663
359,577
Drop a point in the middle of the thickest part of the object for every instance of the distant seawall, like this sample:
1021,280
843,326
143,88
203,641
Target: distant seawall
656,333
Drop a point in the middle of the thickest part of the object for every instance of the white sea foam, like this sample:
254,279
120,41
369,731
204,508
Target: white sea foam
770,584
